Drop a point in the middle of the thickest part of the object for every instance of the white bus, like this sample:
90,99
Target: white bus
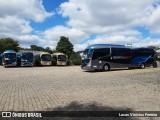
43,59
59,59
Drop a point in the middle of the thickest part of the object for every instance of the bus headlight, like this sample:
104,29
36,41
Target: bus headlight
6,58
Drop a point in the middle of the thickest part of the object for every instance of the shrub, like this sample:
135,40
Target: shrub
76,61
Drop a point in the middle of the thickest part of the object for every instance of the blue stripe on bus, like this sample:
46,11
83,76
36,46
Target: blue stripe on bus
140,59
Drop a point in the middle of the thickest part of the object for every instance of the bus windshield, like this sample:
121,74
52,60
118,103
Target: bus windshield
87,54
62,58
10,56
27,56
46,57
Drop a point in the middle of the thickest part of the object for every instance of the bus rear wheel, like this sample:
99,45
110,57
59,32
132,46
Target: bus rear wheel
142,66
106,67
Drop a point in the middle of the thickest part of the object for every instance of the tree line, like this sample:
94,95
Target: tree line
64,46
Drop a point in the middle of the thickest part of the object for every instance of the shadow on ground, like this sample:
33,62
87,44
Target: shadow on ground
112,70
94,107
76,106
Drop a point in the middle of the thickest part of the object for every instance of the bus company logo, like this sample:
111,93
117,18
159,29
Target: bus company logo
6,114
122,57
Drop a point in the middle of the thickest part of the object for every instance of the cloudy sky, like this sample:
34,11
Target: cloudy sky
85,22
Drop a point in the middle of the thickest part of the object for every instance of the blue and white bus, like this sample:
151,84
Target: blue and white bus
9,58
107,56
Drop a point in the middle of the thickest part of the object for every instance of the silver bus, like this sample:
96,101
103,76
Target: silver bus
107,56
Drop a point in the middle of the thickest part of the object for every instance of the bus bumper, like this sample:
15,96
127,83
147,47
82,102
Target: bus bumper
46,63
8,65
26,63
86,68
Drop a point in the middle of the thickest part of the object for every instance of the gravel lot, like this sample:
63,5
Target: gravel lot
46,88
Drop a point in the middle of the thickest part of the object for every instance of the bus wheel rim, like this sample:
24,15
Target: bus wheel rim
142,65
106,67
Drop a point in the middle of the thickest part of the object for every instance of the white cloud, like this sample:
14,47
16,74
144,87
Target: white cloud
148,42
28,39
112,21
136,41
14,25
153,20
16,14
28,9
15,19
119,37
80,47
109,39
100,16
56,32
126,33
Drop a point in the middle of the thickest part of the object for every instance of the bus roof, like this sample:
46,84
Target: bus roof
104,45
44,53
9,51
26,52
58,53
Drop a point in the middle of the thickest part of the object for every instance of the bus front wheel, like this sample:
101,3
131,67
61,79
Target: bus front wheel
142,66
106,67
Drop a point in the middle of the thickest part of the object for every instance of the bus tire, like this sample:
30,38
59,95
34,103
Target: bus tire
106,67
130,68
142,66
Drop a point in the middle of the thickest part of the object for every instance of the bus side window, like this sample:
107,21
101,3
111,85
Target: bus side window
121,52
100,53
142,52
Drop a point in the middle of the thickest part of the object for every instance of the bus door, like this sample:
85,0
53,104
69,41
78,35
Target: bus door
101,56
120,57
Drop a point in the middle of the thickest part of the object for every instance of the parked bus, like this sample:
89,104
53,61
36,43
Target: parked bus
9,58
27,58
107,56
43,59
59,59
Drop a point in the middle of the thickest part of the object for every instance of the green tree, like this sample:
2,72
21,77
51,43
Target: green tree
33,47
154,47
37,48
8,44
75,58
64,46
48,49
